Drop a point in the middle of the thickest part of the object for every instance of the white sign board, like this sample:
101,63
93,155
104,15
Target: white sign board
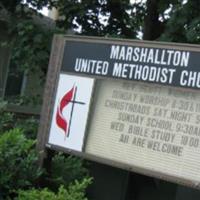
70,111
155,128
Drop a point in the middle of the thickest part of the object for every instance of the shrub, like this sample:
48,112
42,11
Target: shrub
18,158
65,170
75,191
10,120
6,118
6,122
29,124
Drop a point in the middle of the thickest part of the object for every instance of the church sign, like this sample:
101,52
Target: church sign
134,61
130,104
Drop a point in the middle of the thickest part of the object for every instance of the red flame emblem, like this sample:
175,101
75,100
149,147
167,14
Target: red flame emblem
60,120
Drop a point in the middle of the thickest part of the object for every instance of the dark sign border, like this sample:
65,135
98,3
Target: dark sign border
159,63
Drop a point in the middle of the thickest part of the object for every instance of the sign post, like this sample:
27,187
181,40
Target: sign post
130,104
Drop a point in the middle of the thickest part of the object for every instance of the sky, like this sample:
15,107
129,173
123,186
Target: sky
44,11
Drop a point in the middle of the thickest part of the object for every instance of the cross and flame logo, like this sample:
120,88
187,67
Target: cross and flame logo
62,122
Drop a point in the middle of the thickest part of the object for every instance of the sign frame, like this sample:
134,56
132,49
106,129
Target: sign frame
54,69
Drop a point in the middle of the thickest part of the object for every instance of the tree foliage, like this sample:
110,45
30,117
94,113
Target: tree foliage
30,33
183,24
170,20
31,47
101,18
18,6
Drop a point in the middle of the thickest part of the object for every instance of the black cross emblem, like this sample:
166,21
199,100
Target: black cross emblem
73,104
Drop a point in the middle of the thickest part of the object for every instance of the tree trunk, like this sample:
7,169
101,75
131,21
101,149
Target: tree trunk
153,28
